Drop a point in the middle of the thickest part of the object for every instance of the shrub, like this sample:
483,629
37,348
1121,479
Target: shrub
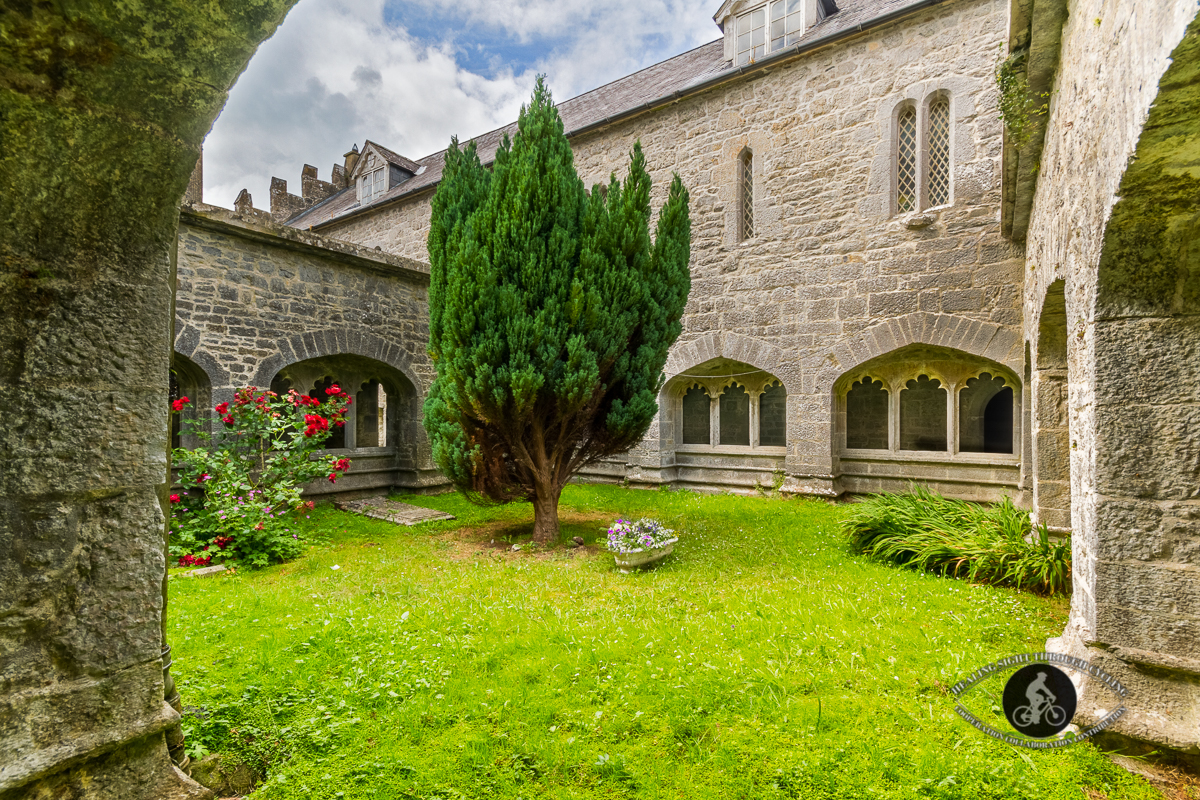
991,544
242,483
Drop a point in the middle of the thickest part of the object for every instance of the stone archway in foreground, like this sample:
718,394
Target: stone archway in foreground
102,112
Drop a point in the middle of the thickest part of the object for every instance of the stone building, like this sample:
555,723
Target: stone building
855,318
886,288
865,310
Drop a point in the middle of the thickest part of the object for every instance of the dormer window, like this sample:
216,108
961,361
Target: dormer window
373,182
769,28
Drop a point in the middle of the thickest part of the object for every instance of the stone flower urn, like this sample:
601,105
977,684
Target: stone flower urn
645,558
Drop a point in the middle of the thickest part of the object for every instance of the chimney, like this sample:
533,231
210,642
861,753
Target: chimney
339,176
195,188
351,160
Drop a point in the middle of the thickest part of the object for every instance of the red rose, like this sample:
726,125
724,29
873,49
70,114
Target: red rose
222,409
180,403
174,498
333,477
228,420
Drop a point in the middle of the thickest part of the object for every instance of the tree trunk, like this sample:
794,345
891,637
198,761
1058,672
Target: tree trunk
545,513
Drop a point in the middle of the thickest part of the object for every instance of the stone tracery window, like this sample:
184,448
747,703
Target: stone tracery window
385,410
736,407
928,400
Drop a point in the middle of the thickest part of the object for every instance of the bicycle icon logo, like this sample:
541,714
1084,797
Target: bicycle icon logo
1039,700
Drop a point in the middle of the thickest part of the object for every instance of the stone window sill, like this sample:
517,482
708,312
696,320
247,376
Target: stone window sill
983,459
731,450
362,452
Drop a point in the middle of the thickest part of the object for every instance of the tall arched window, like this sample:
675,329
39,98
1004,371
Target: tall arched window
906,160
985,415
697,417
923,415
939,152
772,416
867,415
735,416
337,438
923,155
369,427
746,182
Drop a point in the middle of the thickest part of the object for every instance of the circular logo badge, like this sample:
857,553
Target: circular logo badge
1039,700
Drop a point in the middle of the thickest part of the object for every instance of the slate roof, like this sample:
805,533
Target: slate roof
659,82
406,164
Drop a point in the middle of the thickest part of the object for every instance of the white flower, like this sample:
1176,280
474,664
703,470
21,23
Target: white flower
335,566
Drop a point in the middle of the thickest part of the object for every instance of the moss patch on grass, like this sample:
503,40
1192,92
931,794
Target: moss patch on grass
761,660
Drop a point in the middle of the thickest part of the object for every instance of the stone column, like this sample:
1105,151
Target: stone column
86,286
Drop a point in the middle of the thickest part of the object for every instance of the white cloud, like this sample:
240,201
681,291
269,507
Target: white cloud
341,71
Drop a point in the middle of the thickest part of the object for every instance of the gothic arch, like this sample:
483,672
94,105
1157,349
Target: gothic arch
983,339
317,344
734,347
187,344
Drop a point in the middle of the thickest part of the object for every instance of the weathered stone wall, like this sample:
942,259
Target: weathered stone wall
832,276
400,229
254,298
1115,233
122,96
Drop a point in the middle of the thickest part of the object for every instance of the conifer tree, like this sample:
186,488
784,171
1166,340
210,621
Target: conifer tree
551,314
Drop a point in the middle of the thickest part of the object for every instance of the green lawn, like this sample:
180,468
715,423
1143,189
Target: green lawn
761,660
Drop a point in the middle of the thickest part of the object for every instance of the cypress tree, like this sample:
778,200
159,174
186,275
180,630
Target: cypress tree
551,314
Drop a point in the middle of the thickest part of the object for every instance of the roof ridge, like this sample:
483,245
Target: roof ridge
422,159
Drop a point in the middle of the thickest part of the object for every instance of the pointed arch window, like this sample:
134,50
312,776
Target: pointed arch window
939,152
746,190
906,160
923,156
725,412
951,404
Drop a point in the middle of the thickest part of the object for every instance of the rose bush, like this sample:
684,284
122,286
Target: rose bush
242,485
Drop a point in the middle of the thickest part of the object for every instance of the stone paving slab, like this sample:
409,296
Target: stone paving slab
392,511
203,572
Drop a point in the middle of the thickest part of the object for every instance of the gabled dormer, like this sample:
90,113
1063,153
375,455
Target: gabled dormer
755,29
378,169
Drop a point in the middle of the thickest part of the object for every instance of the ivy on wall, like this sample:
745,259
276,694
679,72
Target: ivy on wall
1017,107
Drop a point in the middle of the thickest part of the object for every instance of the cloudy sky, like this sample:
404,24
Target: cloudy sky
411,73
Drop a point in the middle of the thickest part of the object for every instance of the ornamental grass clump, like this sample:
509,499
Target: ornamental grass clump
242,485
634,537
990,544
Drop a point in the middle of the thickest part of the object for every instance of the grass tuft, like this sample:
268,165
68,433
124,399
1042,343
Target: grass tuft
995,544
